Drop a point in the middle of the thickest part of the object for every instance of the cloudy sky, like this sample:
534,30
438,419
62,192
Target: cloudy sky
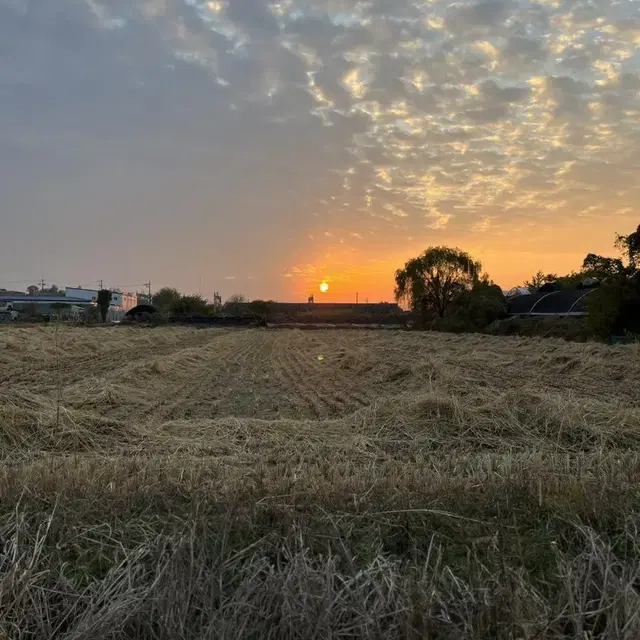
257,147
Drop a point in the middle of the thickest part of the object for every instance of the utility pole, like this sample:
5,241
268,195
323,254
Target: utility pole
42,284
101,285
148,285
357,297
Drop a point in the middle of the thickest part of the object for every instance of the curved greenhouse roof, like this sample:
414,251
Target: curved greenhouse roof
568,302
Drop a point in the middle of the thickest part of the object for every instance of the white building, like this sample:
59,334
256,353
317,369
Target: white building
119,301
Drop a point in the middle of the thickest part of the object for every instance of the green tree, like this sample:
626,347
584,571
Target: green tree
193,305
430,282
103,301
33,290
166,299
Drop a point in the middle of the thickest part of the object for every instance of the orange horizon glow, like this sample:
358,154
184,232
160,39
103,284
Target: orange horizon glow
508,258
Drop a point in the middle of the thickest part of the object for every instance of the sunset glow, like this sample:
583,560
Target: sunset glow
324,287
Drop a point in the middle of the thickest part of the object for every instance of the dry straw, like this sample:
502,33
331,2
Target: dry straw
182,483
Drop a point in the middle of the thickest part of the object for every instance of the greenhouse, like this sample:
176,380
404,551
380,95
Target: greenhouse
567,302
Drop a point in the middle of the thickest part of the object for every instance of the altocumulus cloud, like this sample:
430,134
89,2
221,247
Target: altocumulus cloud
415,115
451,109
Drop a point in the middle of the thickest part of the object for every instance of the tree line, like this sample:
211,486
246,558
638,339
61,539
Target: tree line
170,302
446,288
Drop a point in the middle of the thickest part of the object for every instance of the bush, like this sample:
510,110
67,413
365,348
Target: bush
190,305
473,310
573,329
92,315
614,309
263,309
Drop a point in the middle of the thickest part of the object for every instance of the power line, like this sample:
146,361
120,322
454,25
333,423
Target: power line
131,286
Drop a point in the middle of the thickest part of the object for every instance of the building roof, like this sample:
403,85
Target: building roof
553,303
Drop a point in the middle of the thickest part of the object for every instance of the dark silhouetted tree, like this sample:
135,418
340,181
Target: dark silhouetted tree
53,290
601,267
166,299
539,279
630,246
235,305
103,301
476,308
263,309
614,309
193,305
430,282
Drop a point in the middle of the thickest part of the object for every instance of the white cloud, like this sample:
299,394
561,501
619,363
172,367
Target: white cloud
105,19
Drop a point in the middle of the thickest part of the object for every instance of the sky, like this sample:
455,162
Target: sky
257,147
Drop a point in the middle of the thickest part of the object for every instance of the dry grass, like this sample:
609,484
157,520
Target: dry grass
181,483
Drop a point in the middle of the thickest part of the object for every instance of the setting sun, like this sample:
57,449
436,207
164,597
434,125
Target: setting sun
324,287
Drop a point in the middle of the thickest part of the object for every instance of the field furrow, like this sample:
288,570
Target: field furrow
469,474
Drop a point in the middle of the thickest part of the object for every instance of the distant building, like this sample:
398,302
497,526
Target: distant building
119,301
22,303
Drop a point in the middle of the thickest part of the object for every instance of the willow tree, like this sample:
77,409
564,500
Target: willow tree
433,280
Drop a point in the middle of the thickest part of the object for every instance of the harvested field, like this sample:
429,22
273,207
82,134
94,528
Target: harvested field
227,483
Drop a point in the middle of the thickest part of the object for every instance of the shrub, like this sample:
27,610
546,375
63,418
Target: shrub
614,309
473,310
573,329
92,315
190,305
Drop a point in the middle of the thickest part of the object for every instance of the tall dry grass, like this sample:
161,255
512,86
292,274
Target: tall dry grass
180,483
